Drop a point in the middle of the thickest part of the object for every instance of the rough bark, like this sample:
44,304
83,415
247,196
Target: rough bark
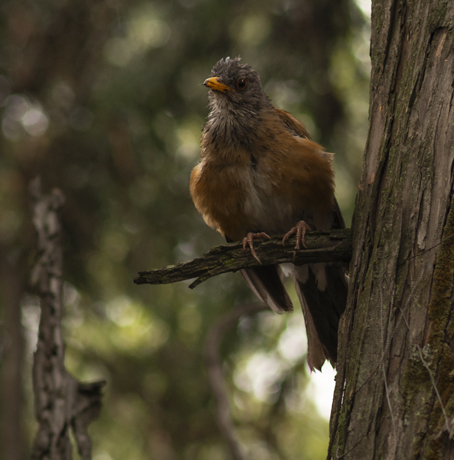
394,394
61,402
330,246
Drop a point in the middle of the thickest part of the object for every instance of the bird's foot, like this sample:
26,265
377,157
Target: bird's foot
300,229
249,241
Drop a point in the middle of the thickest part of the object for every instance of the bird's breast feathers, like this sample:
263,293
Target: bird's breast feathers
269,189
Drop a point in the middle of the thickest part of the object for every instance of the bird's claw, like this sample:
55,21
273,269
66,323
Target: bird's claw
249,241
300,229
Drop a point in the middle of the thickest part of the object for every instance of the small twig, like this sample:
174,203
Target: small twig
380,362
216,375
432,378
332,246
424,251
385,381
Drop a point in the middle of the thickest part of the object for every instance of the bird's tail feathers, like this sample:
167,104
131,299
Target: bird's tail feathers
322,290
266,283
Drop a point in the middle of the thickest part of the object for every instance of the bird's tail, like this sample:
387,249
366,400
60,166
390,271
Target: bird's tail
322,290
266,283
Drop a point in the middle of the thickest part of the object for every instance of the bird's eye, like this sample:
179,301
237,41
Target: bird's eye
241,83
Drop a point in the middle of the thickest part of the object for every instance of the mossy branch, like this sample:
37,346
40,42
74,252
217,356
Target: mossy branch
333,246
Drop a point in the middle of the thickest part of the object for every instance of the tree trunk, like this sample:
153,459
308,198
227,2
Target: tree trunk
394,394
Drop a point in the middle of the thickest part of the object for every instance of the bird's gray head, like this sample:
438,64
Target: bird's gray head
236,88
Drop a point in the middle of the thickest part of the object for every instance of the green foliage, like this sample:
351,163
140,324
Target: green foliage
104,100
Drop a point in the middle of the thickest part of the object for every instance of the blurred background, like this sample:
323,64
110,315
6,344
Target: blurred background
103,99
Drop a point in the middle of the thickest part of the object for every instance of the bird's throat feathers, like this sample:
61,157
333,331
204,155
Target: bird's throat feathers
230,128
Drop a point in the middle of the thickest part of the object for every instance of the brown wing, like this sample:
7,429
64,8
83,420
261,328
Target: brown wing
292,124
323,303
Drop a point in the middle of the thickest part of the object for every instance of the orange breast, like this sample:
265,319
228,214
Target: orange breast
219,194
269,187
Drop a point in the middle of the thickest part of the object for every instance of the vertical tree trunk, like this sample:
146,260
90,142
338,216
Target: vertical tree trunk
394,394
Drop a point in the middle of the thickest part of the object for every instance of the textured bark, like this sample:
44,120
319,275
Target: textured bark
394,396
330,246
61,402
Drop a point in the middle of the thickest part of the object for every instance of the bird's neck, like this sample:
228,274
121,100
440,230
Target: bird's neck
228,129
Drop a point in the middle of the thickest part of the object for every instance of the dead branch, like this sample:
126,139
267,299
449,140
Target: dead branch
333,246
216,374
61,402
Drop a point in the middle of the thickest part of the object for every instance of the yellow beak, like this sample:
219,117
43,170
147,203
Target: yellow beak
215,84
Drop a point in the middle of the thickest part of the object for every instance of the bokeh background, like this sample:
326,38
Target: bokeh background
103,99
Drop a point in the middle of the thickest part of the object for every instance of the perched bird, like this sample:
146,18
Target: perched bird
260,174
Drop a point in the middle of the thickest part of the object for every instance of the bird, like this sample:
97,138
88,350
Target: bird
261,174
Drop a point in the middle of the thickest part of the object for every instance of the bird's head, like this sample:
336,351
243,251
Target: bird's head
235,87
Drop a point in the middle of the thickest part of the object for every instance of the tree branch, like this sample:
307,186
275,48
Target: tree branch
61,402
216,373
333,246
